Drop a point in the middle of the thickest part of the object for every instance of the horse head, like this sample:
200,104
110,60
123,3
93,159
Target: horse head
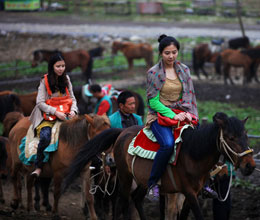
233,142
37,58
97,123
116,46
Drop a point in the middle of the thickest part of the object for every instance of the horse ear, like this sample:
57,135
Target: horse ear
245,120
220,118
89,119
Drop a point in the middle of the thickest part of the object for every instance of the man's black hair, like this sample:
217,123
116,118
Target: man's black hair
123,96
95,88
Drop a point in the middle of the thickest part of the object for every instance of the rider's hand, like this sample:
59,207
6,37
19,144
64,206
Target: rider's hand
60,115
180,117
71,114
188,116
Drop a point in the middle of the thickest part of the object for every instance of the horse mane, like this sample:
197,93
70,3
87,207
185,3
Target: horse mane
96,52
253,53
199,142
46,51
71,131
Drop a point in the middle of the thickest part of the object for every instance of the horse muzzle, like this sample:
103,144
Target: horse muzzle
247,166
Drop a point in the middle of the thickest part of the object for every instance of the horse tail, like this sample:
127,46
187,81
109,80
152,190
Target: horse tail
3,154
218,65
95,146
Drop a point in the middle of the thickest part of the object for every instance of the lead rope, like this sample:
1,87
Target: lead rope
229,187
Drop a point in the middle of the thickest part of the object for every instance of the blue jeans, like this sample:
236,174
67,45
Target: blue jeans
45,139
165,138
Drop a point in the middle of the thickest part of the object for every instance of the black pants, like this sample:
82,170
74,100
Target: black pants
221,210
45,139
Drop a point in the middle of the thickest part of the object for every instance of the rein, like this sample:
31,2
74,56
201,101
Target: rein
223,144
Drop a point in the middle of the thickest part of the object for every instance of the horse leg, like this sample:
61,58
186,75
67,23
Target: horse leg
193,204
29,186
45,184
138,196
57,192
226,71
1,193
162,202
88,196
204,71
17,190
174,206
130,63
37,196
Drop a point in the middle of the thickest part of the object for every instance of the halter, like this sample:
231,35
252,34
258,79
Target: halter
228,149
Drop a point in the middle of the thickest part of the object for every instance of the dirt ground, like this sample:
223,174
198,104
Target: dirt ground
245,202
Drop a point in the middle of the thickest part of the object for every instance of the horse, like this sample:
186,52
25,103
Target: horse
73,134
9,102
235,58
201,149
205,52
76,58
200,55
134,51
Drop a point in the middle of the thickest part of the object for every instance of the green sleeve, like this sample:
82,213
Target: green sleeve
157,106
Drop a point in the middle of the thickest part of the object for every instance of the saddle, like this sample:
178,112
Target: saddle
29,145
145,145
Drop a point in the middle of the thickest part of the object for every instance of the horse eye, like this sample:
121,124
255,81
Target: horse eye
232,138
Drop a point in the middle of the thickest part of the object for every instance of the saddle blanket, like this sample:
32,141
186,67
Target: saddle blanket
29,145
145,145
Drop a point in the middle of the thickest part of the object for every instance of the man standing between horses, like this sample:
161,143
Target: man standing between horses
125,117
104,104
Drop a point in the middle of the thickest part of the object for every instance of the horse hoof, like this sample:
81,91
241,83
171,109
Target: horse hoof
56,217
48,208
14,204
37,206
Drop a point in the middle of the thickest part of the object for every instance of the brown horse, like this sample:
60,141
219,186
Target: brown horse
202,54
200,150
73,59
234,58
134,51
73,134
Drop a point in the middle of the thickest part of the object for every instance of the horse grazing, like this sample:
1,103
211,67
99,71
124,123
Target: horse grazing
73,134
200,55
234,58
200,151
134,51
76,58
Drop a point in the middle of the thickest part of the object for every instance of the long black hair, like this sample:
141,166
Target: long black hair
165,41
62,82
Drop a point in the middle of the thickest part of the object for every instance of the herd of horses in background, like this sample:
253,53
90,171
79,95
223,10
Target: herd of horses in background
235,53
223,54
78,148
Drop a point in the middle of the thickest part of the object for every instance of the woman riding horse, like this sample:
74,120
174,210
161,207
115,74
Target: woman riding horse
169,88
55,101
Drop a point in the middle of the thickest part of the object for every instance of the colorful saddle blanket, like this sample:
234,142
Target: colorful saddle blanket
145,145
29,145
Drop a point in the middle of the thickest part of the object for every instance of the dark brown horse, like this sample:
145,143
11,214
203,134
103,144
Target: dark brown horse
134,51
72,136
73,59
202,54
235,58
200,151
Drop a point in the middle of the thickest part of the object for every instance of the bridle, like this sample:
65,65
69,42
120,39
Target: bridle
228,150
